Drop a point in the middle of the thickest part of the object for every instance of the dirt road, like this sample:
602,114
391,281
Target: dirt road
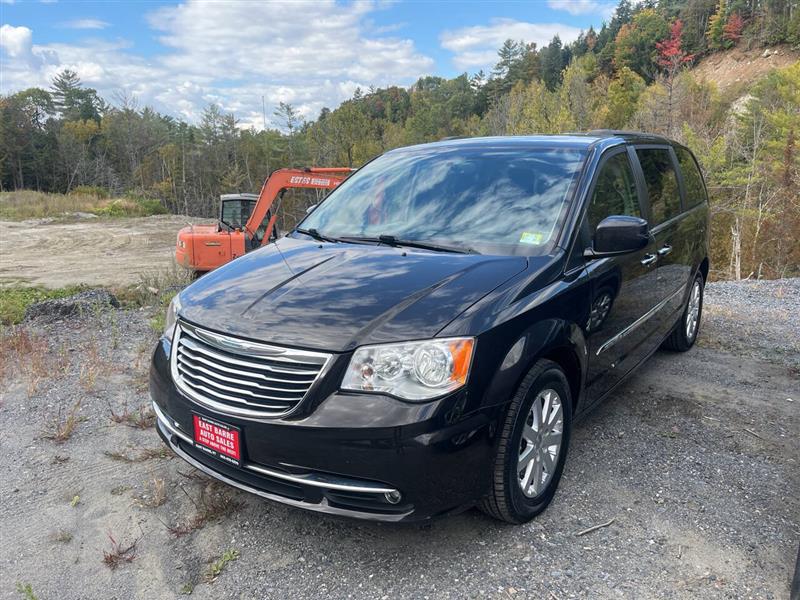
695,462
91,251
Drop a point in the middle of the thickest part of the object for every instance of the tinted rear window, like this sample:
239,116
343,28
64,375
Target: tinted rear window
661,182
692,179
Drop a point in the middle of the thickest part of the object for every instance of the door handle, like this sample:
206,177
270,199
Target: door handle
664,250
649,259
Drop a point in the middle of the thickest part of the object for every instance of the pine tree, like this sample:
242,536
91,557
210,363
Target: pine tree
716,27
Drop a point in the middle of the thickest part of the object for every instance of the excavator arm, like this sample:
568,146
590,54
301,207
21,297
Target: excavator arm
319,178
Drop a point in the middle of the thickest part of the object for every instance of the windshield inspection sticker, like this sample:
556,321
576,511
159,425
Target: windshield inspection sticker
528,237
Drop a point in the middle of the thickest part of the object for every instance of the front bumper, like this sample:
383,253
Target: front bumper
350,455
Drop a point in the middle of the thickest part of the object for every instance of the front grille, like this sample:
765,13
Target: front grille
240,377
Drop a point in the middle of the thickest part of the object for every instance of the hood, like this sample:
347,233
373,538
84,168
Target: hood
338,296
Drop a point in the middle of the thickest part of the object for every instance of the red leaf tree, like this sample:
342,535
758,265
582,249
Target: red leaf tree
671,57
732,31
670,53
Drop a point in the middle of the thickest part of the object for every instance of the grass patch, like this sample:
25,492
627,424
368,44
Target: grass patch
216,568
14,300
27,204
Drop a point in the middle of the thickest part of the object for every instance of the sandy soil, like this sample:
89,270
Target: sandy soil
93,251
695,460
737,69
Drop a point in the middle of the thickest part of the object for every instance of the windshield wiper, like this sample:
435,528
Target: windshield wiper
317,235
391,240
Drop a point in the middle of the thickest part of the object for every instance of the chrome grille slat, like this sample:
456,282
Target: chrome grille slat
238,390
187,362
193,344
239,377
196,358
206,390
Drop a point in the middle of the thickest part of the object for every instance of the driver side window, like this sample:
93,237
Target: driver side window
614,192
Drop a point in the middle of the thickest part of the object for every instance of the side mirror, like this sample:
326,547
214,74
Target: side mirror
617,235
310,208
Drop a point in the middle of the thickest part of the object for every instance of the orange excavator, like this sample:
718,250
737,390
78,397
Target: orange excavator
247,221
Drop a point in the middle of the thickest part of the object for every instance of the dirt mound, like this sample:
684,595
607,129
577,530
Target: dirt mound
82,303
736,69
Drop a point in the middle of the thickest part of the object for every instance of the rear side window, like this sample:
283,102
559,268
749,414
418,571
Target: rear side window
661,182
615,191
695,190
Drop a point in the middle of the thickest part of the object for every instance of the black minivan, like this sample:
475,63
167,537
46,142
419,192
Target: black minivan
424,340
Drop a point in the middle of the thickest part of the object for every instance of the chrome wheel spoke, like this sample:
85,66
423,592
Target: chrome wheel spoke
527,473
540,443
549,461
528,434
551,438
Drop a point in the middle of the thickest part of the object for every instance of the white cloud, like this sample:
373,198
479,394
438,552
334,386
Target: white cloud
15,40
583,7
476,47
233,53
86,24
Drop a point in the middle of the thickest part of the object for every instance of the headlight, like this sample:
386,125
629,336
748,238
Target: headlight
411,370
172,317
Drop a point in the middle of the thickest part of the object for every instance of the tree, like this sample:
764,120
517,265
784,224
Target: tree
552,63
623,96
73,101
716,27
732,32
671,58
635,45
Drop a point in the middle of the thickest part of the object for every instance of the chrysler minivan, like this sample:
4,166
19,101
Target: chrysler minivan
427,336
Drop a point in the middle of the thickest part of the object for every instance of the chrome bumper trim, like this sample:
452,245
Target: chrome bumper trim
319,480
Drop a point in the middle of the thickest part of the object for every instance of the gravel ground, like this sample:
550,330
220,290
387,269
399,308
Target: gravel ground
694,462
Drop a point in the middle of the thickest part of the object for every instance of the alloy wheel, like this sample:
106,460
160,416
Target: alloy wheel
693,311
541,443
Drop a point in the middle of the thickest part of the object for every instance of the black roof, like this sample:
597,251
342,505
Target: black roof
582,140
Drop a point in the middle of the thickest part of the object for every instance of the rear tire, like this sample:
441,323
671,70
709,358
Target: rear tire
684,334
530,456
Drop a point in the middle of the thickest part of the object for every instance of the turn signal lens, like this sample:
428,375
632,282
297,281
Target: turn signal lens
411,370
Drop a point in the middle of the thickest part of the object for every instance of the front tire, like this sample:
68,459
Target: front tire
533,446
685,333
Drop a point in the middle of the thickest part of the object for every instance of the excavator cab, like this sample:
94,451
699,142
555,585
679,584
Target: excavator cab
247,221
236,210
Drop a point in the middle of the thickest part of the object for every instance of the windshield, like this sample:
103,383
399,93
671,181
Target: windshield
498,201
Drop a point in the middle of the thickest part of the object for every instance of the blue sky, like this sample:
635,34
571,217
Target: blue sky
179,57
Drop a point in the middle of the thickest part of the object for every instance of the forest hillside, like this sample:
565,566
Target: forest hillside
721,76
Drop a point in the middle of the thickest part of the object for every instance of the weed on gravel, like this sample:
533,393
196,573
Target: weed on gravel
216,501
62,536
154,495
26,590
146,454
119,553
216,568
62,426
140,418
